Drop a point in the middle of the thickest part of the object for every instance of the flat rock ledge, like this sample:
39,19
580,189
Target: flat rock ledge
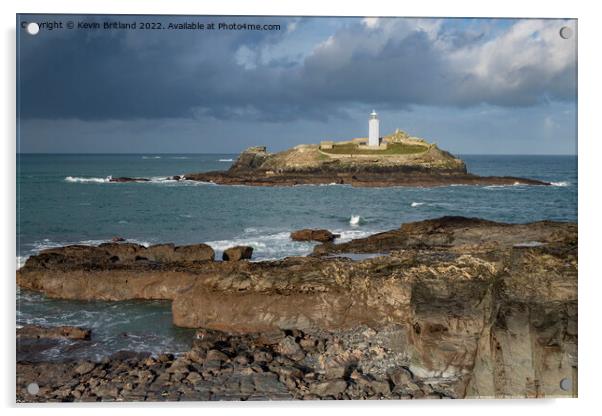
53,332
468,307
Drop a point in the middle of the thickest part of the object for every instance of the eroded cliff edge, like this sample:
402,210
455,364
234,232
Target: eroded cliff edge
462,307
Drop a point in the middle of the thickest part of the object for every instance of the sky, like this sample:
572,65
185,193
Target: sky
473,86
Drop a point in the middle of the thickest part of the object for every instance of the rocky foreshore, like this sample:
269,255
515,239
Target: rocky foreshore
451,307
277,365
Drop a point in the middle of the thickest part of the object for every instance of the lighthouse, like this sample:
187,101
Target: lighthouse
373,130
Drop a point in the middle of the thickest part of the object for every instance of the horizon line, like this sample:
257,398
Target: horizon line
237,153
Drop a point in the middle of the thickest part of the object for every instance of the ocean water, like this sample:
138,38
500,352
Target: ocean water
66,199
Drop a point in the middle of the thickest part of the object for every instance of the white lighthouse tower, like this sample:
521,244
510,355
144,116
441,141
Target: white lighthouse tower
373,130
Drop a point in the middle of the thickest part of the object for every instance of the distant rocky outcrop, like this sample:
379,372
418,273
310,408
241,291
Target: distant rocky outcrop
401,160
308,164
322,236
451,307
125,179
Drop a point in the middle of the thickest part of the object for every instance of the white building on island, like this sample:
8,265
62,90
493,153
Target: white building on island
373,130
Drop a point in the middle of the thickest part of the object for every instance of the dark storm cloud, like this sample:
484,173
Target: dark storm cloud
236,75
127,74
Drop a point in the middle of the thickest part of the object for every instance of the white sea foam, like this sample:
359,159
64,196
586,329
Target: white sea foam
348,235
310,185
21,261
156,180
188,182
515,184
563,183
416,204
355,220
225,160
151,157
77,179
162,179
266,247
277,245
530,244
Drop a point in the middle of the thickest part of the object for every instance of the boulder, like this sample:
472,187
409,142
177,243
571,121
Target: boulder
195,252
237,253
161,253
216,355
329,388
401,377
84,368
322,236
289,347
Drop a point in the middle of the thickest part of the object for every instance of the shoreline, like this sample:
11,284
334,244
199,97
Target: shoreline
420,293
357,181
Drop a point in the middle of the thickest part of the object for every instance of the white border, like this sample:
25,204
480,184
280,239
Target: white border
589,157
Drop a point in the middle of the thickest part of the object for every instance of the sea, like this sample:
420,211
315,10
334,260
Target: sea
68,199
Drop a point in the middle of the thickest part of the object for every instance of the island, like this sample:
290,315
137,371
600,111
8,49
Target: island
397,160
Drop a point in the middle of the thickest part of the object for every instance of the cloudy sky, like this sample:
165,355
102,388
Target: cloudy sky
481,86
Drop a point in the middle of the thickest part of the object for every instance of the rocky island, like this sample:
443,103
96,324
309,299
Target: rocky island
399,160
451,307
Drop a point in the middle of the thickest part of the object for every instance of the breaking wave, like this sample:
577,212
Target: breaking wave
77,179
276,245
355,220
416,204
165,180
515,184
562,183
225,160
